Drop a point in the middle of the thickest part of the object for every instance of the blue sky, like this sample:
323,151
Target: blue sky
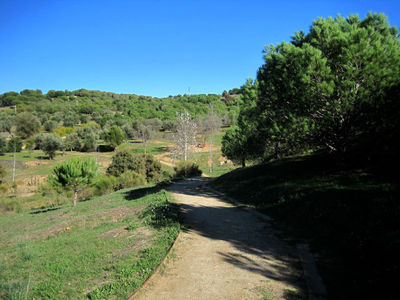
155,48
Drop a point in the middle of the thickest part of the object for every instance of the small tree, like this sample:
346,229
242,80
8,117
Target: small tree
74,174
114,136
144,133
3,145
27,125
50,125
29,145
14,144
50,144
185,135
72,142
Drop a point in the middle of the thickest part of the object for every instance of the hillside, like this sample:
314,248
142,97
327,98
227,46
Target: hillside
347,212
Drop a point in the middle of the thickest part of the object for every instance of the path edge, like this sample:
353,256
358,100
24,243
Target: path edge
315,286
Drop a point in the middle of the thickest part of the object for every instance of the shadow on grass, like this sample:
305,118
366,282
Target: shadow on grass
140,192
348,215
44,210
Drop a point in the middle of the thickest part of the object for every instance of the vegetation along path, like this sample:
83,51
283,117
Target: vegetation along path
224,253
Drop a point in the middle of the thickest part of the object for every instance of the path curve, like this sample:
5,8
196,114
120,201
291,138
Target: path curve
225,253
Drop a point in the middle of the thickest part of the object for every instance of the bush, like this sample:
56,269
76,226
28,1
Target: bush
121,161
104,185
8,205
3,188
142,164
187,169
130,179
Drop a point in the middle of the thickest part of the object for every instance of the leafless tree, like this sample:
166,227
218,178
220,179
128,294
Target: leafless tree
185,135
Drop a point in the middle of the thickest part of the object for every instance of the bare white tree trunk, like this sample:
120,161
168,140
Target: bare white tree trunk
185,135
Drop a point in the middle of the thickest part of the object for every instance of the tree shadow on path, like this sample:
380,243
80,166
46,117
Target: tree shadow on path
255,247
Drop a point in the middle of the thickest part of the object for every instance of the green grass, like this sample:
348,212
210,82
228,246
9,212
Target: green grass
348,213
103,248
202,159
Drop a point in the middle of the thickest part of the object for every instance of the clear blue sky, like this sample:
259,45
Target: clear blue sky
155,48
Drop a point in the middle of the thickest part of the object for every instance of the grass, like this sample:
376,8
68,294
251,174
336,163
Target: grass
348,213
103,248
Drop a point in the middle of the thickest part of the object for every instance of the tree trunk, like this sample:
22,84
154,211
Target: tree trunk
243,162
75,196
210,148
186,150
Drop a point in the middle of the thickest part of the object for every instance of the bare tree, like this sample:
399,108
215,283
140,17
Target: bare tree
185,136
144,133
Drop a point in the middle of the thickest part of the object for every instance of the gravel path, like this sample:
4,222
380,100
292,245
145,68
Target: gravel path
225,253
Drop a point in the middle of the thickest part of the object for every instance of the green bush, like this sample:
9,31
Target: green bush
187,169
104,185
142,164
130,179
3,188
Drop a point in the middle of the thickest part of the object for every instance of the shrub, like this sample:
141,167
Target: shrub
142,164
104,185
187,169
10,204
121,161
3,188
130,179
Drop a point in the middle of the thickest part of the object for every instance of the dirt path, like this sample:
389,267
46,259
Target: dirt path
225,253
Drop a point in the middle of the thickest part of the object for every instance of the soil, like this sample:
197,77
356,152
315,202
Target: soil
224,253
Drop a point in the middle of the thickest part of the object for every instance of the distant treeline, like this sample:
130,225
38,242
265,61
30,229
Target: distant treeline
77,106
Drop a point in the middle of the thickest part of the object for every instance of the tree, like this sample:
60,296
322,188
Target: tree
88,136
234,145
114,136
27,125
14,144
6,123
185,135
73,142
315,91
3,145
50,125
29,145
74,174
242,142
144,133
50,144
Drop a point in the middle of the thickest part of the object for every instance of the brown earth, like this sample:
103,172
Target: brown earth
225,253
